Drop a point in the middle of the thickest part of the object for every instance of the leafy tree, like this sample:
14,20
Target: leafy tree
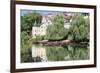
79,27
27,21
26,43
56,31
30,19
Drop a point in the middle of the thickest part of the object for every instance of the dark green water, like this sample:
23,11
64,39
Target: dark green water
56,53
62,53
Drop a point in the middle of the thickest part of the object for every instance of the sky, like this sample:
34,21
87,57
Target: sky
42,12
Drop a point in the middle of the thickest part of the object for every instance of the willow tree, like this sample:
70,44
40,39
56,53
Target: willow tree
79,27
56,31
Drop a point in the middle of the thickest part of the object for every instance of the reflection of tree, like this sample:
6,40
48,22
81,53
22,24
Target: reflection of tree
58,53
78,53
79,30
25,45
27,21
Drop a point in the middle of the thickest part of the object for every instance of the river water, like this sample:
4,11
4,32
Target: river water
39,53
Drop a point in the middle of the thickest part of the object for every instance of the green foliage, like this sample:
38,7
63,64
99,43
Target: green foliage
30,19
78,53
79,30
26,40
26,43
79,27
56,30
55,53
38,38
27,21
61,53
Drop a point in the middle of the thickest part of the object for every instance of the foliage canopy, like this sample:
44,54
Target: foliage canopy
56,31
79,29
30,19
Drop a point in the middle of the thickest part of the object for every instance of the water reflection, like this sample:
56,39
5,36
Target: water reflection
39,53
59,53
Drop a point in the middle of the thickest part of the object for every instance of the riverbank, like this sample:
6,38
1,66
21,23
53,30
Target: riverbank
61,43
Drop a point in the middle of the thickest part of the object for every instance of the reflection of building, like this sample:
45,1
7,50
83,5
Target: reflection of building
39,52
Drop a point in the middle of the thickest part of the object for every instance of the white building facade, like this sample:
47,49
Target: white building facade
47,20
